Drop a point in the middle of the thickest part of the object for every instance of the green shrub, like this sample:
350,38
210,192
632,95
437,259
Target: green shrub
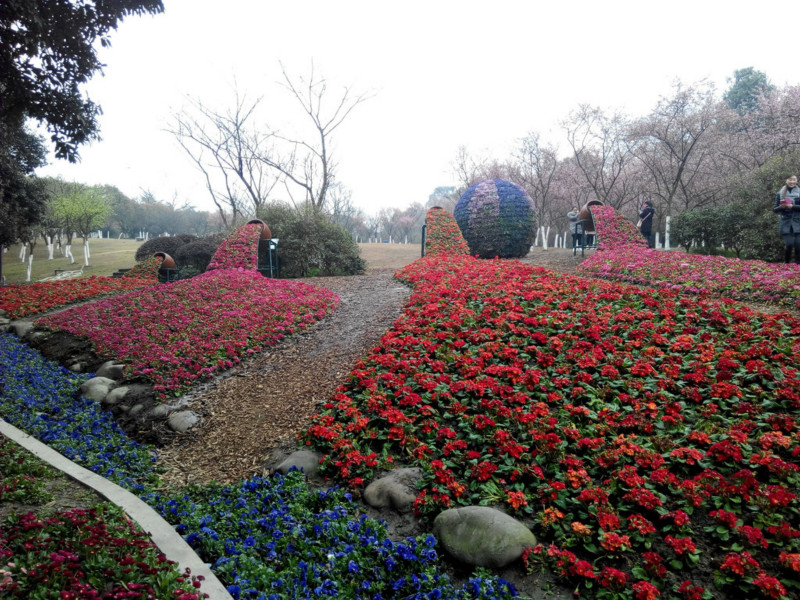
167,244
310,244
198,253
695,228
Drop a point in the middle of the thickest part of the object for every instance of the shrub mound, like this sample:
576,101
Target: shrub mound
310,245
167,244
496,218
198,253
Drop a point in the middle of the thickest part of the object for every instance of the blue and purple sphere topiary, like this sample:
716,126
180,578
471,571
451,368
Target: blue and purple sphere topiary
496,218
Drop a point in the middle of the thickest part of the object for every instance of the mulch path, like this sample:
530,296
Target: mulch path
251,416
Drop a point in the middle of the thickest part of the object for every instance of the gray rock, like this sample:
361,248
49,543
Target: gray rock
115,396
161,410
21,328
97,388
4,321
111,370
482,536
136,409
183,420
397,490
306,460
76,367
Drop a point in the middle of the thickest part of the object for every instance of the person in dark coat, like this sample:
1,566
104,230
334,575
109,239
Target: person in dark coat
787,205
646,222
574,227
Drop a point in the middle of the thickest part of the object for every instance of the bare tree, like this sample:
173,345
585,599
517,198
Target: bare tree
310,164
468,169
599,144
669,144
230,153
537,167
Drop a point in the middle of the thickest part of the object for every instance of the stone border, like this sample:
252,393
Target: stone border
162,533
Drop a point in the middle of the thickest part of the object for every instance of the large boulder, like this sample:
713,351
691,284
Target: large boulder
482,536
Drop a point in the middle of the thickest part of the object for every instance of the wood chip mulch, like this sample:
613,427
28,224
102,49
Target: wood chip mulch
261,405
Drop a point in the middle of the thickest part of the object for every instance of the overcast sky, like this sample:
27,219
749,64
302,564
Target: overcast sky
443,74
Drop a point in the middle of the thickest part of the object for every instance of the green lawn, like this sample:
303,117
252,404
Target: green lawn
106,256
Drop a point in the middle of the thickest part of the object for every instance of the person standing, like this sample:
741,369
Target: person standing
574,227
787,205
646,222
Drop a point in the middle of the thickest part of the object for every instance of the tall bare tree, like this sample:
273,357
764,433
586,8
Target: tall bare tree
599,144
669,144
537,168
230,152
310,163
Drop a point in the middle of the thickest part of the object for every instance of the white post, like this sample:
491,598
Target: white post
666,235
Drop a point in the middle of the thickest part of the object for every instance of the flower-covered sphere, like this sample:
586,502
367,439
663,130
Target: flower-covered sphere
497,219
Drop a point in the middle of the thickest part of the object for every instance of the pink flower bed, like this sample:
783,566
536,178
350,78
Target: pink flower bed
238,250
177,333
623,255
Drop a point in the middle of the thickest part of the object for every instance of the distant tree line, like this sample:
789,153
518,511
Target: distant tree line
694,151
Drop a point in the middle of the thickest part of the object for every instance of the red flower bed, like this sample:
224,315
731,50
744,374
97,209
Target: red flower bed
24,300
442,234
622,420
95,553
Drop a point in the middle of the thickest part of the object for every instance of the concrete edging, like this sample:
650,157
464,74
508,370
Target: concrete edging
162,533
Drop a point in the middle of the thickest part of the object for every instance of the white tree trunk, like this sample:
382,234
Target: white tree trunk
86,252
30,265
22,251
666,236
536,239
68,253
545,233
